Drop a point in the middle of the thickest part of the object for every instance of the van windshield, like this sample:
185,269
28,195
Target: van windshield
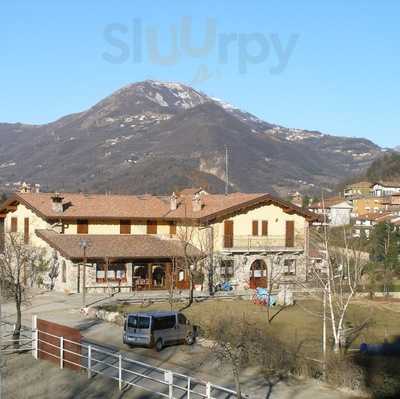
138,322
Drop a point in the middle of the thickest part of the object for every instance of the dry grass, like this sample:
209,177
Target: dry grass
298,326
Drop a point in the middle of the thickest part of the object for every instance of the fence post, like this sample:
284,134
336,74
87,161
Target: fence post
89,369
35,336
169,379
189,387
208,390
61,352
120,372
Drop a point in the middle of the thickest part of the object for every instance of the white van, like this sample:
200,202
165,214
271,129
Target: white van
158,329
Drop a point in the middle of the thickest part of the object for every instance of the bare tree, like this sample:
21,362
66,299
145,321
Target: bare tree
241,344
17,269
233,345
195,246
345,262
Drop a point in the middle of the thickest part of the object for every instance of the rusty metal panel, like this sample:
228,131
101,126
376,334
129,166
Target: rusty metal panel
49,334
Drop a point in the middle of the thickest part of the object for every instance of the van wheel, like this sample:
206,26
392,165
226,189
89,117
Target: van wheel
159,345
190,339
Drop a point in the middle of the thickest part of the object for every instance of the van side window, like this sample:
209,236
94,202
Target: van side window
163,323
138,322
181,319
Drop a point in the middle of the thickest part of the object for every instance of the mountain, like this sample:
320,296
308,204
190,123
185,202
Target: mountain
385,169
158,137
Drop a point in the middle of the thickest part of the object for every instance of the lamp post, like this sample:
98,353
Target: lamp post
84,244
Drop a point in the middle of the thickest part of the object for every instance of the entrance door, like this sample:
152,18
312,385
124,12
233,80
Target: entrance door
258,274
158,276
289,234
228,234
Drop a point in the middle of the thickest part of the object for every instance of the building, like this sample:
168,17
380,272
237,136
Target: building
359,189
143,242
335,210
366,205
384,189
392,203
365,224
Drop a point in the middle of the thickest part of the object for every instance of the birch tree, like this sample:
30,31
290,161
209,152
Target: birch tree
340,280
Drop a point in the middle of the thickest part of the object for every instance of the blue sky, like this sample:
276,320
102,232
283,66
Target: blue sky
341,75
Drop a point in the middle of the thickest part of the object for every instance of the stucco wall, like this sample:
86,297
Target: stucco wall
35,223
276,224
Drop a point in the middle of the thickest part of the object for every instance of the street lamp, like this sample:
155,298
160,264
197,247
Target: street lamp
84,244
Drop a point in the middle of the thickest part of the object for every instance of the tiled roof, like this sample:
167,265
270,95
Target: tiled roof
96,206
116,246
395,184
375,216
328,203
361,184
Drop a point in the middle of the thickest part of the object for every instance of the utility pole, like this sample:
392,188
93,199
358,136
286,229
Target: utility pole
324,334
226,171
84,244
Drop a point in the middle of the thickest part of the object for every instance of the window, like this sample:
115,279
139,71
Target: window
255,227
125,227
141,322
64,271
172,228
163,323
82,226
264,228
151,227
26,231
181,319
227,269
289,267
114,272
14,225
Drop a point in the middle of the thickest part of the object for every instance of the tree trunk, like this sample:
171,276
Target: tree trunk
191,289
17,329
237,383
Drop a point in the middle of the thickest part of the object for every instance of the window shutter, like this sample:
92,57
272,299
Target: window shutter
264,227
125,227
26,231
172,228
14,225
83,226
255,227
151,227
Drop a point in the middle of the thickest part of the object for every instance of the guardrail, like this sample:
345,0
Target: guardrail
128,372
261,242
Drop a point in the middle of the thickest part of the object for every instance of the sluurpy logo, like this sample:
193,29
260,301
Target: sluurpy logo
136,43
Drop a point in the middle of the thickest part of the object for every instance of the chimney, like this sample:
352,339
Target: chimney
173,202
57,204
197,203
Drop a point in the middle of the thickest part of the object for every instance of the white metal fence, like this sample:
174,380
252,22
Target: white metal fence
96,359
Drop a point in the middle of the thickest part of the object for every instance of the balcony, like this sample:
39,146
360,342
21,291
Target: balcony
266,243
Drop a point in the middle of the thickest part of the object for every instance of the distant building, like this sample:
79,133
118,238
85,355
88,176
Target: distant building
384,189
336,210
296,198
360,189
364,224
366,205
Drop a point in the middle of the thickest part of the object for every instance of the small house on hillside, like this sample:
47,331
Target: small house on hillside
336,210
384,189
360,189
